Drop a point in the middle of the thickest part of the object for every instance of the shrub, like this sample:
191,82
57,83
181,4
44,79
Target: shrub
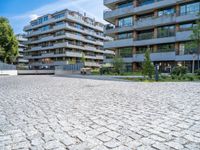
173,77
198,72
179,71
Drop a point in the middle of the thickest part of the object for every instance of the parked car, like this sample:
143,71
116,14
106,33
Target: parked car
86,71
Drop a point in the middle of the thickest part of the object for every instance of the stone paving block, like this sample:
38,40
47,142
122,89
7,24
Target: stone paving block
60,113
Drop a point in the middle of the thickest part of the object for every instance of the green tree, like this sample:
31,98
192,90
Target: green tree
148,67
118,64
195,40
83,58
8,42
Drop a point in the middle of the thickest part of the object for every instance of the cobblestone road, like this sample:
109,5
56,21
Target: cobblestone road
55,113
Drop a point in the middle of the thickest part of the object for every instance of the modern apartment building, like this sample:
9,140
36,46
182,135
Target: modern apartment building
21,60
163,26
64,37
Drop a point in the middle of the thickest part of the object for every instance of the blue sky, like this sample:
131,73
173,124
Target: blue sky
20,12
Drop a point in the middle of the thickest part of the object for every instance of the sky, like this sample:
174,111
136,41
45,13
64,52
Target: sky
21,12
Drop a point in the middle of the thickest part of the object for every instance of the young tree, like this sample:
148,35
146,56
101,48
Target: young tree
195,39
8,42
83,58
148,67
118,64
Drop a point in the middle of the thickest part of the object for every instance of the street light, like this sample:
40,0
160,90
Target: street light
193,62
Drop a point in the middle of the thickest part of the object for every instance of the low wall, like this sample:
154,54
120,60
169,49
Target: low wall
35,72
8,72
60,72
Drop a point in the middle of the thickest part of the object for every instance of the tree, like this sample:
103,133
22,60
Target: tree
195,39
83,58
148,67
118,64
8,42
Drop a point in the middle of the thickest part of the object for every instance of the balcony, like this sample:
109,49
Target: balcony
164,56
118,43
73,54
145,41
117,13
92,64
151,22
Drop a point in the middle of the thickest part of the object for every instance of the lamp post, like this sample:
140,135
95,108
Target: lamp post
156,72
193,62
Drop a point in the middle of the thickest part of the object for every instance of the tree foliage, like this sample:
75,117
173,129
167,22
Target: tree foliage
8,42
195,39
118,64
148,67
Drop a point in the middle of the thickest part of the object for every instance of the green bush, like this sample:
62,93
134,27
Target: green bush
174,77
197,72
179,71
189,77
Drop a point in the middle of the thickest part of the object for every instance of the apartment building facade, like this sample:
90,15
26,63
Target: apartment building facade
21,59
64,37
163,26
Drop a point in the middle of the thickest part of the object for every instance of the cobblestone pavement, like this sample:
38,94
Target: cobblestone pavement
57,113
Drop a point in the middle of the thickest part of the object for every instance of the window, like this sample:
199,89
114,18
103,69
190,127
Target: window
34,23
59,16
185,48
166,31
186,27
149,34
143,49
190,8
45,18
59,23
126,52
166,48
125,35
145,2
124,22
123,5
169,11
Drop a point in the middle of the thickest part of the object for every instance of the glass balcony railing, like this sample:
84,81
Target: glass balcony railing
145,36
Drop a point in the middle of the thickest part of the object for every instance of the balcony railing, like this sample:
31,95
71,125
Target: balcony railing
145,36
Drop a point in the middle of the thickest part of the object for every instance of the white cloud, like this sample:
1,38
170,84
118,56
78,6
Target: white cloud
78,5
33,16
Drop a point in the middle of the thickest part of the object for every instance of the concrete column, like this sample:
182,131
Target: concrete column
134,35
134,67
155,13
134,50
135,3
116,22
177,10
177,48
155,32
177,27
155,48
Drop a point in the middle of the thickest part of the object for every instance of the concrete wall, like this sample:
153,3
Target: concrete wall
35,72
60,72
8,72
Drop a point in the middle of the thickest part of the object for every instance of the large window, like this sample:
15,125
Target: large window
143,49
166,48
145,2
190,8
123,5
185,48
186,27
124,22
57,16
168,11
125,35
126,52
145,35
166,31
